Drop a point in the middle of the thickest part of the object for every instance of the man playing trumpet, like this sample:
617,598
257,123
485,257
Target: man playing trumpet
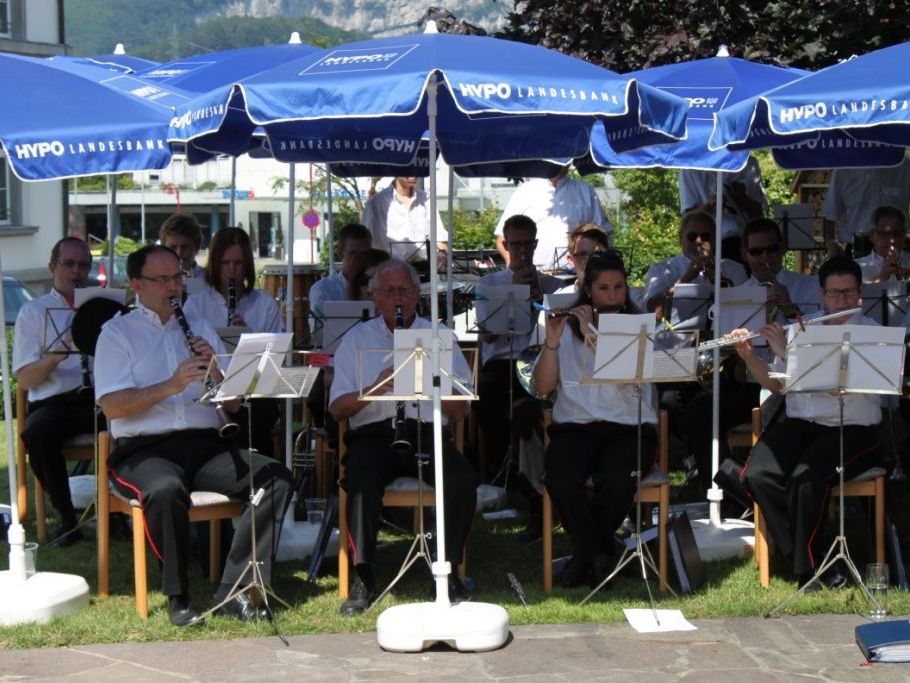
888,260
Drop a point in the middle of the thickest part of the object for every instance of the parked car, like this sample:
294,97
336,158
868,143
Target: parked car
98,275
15,295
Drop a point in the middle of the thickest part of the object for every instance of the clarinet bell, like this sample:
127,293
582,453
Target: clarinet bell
401,445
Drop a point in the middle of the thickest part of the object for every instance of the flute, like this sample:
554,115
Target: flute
228,427
725,341
231,300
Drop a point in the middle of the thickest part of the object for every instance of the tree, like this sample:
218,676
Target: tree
636,34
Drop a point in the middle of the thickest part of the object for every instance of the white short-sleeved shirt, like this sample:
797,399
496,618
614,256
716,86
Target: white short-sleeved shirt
823,408
389,220
503,346
854,193
661,276
557,211
698,187
804,290
356,349
583,403
259,311
139,351
871,265
40,322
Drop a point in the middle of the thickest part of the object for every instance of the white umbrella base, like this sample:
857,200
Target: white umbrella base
466,627
41,597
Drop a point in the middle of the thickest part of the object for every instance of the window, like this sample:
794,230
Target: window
4,17
5,201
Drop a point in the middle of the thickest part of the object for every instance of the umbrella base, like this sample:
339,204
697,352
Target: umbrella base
467,627
41,597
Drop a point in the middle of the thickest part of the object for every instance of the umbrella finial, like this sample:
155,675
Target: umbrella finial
430,27
119,49
295,39
722,51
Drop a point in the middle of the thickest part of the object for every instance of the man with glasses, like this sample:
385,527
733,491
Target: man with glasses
168,442
371,463
695,264
583,242
61,404
888,260
792,469
181,233
498,351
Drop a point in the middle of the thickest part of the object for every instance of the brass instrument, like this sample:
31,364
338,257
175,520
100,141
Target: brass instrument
894,258
231,300
400,443
707,271
228,428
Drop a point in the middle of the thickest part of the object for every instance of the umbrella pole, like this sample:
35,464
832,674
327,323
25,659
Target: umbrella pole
289,312
468,626
330,219
450,308
111,228
715,494
231,209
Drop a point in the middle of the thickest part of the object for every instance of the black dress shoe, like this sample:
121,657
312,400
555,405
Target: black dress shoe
576,572
65,536
835,577
359,599
181,612
240,607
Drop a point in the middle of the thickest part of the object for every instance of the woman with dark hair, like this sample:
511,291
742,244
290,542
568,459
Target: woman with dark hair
364,266
594,430
230,300
224,304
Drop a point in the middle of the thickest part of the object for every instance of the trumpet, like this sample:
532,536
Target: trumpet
721,342
228,428
894,258
231,300
400,443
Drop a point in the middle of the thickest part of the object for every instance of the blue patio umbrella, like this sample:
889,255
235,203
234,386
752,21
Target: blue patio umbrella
116,61
367,102
866,97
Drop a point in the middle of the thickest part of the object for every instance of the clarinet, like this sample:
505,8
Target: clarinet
400,444
228,428
231,300
83,360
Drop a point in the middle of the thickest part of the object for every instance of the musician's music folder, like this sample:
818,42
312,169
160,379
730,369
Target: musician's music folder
885,641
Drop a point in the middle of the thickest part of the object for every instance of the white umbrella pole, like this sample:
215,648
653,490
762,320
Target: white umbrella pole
112,230
331,220
231,209
289,312
450,308
715,494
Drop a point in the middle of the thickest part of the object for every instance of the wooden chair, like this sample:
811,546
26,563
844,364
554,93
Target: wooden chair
81,447
655,489
206,507
870,484
402,492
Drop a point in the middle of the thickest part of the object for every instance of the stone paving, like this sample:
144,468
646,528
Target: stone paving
819,647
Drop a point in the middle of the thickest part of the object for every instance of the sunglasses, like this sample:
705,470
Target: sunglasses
705,236
758,251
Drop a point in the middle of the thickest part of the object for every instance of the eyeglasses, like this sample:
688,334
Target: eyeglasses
758,251
395,291
164,280
891,234
692,236
72,263
520,244
847,293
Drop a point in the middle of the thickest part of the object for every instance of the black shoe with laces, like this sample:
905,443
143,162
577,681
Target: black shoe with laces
181,612
359,599
242,608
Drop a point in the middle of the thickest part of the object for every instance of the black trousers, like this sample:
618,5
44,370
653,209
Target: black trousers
370,465
605,452
161,470
265,412
493,383
49,425
791,472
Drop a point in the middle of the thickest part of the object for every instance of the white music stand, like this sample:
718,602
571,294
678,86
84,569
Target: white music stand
629,350
255,371
844,359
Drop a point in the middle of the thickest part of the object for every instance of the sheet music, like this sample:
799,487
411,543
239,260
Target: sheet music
622,355
231,335
415,374
247,373
740,308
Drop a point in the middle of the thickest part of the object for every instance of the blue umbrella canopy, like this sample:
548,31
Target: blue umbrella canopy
116,61
497,100
65,121
709,85
846,106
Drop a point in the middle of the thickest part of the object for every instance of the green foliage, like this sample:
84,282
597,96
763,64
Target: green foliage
637,34
169,29
646,229
207,186
123,246
98,183
12,383
778,182
473,229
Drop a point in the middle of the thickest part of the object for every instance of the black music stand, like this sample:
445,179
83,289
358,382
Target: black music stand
886,302
255,371
336,319
845,359
797,222
690,305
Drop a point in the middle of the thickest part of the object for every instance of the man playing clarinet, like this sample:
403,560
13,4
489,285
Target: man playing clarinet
168,443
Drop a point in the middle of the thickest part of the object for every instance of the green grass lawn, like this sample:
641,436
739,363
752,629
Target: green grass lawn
494,550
